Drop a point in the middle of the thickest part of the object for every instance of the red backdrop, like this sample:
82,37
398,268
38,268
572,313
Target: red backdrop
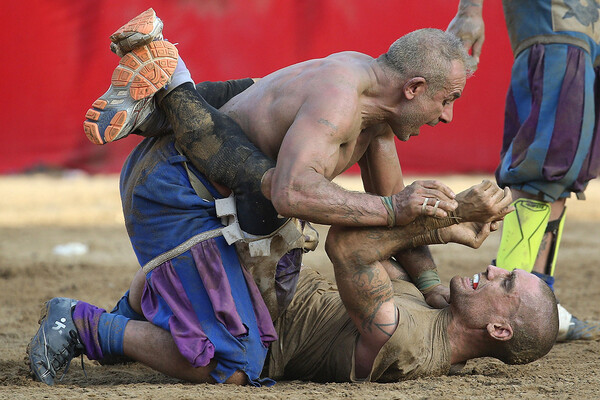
57,61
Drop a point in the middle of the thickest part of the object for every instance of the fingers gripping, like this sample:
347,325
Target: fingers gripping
430,198
436,189
435,208
500,200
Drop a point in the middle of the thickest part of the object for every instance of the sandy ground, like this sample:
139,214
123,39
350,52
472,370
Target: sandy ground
40,212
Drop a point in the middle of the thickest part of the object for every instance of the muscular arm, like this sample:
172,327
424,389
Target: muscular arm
365,286
323,141
414,261
362,274
317,147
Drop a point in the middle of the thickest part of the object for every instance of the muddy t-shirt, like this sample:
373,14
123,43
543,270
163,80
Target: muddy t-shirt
317,337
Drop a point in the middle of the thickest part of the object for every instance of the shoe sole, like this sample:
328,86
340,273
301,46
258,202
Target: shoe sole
140,31
28,360
139,75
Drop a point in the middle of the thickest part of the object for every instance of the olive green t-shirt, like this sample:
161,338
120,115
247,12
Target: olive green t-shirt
317,337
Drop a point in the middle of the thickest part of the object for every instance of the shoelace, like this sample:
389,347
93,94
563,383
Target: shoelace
72,350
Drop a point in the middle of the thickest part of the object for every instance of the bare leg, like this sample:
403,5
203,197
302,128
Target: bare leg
155,348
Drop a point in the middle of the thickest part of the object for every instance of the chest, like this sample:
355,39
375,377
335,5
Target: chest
352,151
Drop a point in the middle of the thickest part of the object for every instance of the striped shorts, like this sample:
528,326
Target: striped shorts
551,146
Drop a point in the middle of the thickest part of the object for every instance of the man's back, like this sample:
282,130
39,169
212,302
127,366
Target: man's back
302,99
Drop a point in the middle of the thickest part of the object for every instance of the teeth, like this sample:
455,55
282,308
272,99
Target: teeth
475,281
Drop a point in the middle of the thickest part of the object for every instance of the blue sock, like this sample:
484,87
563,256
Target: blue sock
549,279
111,331
123,308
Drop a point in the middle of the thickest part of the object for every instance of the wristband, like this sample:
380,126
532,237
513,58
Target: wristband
429,237
389,207
427,280
434,223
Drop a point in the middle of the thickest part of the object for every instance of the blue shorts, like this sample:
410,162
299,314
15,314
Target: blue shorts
203,296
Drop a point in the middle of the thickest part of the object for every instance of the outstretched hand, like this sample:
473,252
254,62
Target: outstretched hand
471,234
429,197
485,202
438,296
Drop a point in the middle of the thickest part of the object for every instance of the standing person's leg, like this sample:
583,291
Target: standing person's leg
550,150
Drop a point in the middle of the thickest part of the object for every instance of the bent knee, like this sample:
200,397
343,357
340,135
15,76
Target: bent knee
335,242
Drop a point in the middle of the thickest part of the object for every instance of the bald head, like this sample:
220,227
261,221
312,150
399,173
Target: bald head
535,327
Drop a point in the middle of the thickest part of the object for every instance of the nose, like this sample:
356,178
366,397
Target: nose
493,272
447,113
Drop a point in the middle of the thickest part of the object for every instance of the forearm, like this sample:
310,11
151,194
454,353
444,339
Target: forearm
432,223
416,261
363,283
359,257
313,198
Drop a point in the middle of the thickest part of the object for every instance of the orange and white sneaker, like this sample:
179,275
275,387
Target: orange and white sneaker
138,32
129,100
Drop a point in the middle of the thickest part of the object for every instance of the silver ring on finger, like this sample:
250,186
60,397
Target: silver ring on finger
435,207
424,206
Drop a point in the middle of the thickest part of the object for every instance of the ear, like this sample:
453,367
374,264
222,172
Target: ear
500,330
414,86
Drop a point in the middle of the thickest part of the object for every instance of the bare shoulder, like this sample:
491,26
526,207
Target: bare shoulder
334,88
348,68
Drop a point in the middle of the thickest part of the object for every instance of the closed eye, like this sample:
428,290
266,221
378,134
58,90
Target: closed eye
450,99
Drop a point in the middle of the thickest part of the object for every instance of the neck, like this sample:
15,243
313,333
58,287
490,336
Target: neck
381,96
465,343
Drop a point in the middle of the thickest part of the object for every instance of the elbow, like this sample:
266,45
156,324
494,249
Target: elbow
335,245
281,202
286,201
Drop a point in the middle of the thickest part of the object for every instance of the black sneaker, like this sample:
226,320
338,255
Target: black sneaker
56,342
